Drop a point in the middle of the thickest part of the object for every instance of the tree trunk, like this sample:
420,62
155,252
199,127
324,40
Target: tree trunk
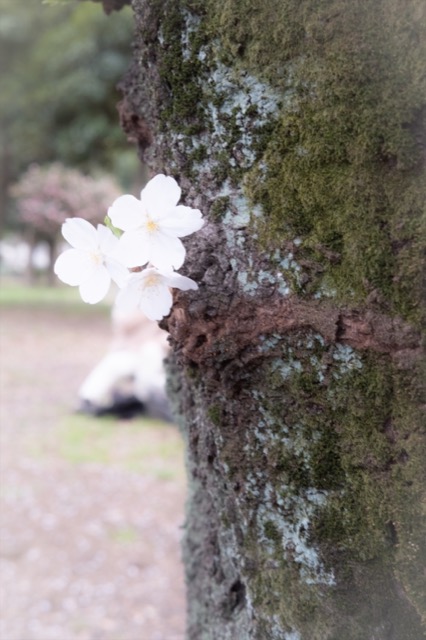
296,127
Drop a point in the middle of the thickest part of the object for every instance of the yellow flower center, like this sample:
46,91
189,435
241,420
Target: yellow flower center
151,281
96,257
151,226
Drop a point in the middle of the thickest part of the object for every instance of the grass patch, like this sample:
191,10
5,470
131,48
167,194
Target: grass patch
18,293
144,446
125,535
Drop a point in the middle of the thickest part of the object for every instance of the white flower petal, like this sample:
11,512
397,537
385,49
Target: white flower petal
74,267
79,233
156,301
133,248
96,287
182,221
180,282
107,241
166,253
118,272
160,195
126,213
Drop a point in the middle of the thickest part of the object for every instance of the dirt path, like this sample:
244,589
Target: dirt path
91,512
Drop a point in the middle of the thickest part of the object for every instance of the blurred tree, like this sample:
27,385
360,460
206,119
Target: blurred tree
60,64
47,196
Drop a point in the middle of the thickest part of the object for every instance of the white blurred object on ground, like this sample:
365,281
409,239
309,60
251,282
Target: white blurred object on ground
130,378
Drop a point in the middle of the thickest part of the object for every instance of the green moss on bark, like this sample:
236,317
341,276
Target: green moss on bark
341,167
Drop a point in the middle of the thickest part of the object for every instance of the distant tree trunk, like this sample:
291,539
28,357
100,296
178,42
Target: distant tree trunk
30,239
5,162
52,245
296,127
33,238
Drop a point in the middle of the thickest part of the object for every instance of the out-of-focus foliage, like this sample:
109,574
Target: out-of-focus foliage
60,65
46,196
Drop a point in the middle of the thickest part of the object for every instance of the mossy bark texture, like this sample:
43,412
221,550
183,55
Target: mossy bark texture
296,126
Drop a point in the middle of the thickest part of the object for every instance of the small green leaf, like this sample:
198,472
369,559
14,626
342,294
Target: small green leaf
108,223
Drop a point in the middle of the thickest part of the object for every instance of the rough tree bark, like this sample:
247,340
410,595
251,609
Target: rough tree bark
296,127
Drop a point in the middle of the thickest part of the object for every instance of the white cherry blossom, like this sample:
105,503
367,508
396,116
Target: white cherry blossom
91,263
149,291
153,225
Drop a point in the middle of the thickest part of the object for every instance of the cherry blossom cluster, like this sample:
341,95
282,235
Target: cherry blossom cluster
143,261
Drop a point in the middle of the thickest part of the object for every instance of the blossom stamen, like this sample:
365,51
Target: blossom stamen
151,281
96,257
151,226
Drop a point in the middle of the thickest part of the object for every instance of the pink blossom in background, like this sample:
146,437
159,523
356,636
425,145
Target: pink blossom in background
47,196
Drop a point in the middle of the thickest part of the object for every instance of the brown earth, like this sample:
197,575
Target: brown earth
91,510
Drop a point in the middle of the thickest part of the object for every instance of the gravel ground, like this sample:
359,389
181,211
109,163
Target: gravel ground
91,511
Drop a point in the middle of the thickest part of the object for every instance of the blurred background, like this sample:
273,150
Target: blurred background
91,489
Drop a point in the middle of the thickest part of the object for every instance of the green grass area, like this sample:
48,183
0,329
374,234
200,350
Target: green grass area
125,535
18,293
143,445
